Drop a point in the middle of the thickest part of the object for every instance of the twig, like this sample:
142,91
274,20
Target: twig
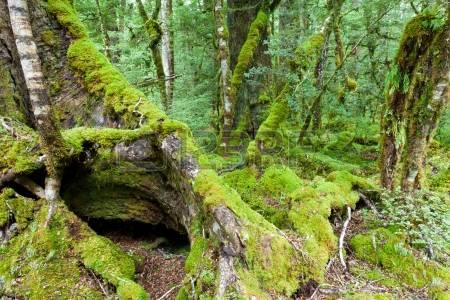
135,110
341,238
368,203
99,283
168,292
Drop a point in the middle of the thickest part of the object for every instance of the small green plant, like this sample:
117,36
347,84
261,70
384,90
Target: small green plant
423,216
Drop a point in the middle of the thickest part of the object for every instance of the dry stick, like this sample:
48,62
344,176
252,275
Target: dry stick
368,203
168,292
99,283
341,238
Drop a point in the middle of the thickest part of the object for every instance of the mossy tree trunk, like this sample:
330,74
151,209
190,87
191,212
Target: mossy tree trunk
406,94
332,25
247,26
155,34
129,144
428,96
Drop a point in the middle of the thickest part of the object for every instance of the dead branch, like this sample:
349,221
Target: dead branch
31,186
368,203
342,237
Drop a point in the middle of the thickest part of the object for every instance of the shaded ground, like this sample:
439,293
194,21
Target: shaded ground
160,254
342,284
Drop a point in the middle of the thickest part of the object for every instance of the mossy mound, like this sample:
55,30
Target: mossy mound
20,148
50,263
312,206
384,248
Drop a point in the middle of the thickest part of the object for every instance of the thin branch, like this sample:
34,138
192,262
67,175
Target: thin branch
342,237
166,294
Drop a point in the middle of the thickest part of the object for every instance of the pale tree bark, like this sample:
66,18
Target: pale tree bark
224,64
52,142
167,51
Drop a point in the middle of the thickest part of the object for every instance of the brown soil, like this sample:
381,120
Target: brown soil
160,265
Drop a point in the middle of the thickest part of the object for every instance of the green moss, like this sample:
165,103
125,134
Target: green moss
278,179
67,17
130,290
351,84
49,38
267,137
8,105
268,270
20,154
311,208
368,296
387,249
247,52
182,295
42,258
308,52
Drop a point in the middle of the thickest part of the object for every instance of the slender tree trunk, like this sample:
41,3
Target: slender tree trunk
155,33
224,64
51,139
104,30
167,51
122,14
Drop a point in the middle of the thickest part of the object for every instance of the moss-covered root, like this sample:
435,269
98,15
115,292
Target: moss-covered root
47,259
252,255
388,249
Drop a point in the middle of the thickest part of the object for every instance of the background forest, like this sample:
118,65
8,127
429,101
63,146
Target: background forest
289,149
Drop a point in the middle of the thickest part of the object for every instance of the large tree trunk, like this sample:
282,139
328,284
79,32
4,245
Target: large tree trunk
428,96
142,152
414,44
247,26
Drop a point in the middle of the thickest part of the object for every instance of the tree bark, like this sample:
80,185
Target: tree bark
247,23
225,106
413,45
427,98
155,33
167,50
51,138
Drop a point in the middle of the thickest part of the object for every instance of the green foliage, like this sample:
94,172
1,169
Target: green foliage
424,217
388,249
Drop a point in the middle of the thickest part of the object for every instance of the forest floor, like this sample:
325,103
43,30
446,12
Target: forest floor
159,256
348,282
